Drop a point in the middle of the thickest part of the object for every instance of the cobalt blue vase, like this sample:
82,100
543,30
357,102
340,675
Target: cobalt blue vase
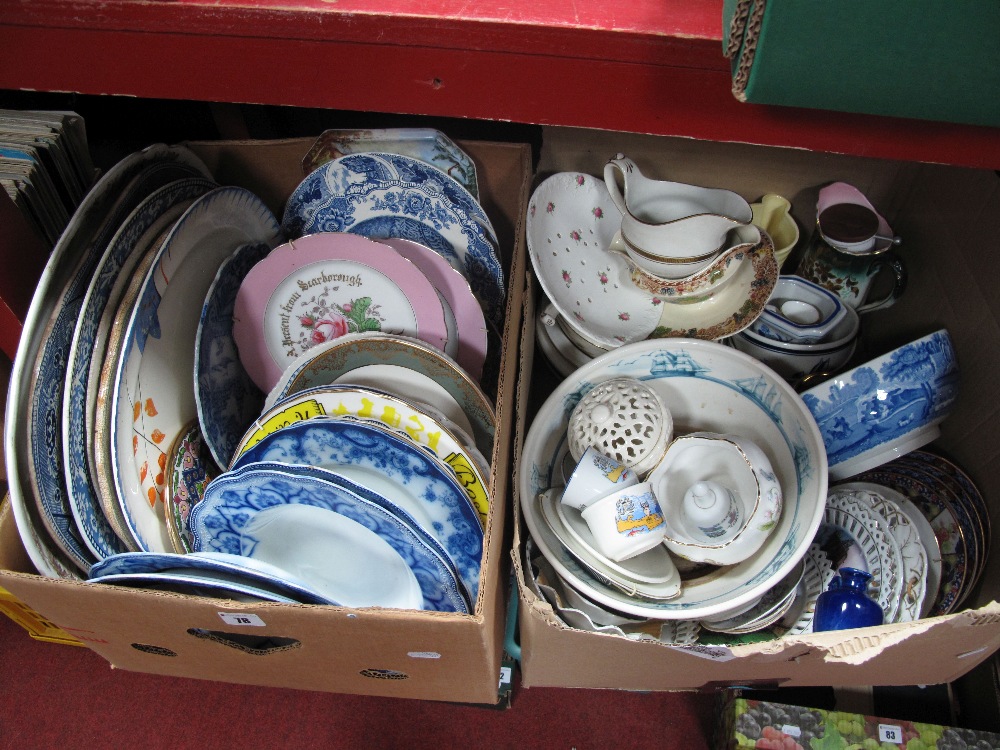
846,604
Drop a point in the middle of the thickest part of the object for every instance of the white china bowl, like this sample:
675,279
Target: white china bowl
738,465
712,388
793,361
887,407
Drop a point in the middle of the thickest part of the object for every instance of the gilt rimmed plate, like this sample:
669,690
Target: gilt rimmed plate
887,504
153,398
657,577
363,194
190,468
335,360
226,397
419,426
234,499
322,286
426,144
149,219
938,511
33,442
235,567
394,468
467,331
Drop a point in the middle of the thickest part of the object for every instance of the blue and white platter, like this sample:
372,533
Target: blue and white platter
227,399
146,222
233,500
33,442
153,399
197,583
366,194
393,467
237,568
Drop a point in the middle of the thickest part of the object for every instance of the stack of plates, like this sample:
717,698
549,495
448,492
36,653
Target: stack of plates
344,478
951,519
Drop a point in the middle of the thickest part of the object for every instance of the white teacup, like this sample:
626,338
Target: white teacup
626,523
595,476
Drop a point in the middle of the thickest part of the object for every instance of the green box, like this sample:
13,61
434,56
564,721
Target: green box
922,59
763,725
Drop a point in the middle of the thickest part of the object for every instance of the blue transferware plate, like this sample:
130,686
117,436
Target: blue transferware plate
227,399
153,398
233,500
196,583
34,408
250,572
393,467
426,144
365,194
132,240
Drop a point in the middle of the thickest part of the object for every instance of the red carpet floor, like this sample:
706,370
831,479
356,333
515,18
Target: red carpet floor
56,696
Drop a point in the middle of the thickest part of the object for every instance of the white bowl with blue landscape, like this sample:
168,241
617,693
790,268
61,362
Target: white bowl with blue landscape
887,407
708,387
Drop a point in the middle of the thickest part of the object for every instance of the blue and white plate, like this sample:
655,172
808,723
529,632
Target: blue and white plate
197,583
153,399
34,407
233,500
365,194
393,467
250,572
146,222
228,400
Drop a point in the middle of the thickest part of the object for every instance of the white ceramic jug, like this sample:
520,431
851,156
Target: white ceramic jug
666,223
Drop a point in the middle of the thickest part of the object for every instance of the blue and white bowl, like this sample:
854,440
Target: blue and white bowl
886,407
709,387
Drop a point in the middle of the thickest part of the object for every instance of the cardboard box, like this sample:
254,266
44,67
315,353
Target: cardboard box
948,218
428,655
765,725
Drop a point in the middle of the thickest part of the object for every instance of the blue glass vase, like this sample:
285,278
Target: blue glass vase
846,604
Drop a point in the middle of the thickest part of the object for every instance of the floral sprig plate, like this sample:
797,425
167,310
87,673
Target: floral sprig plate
319,287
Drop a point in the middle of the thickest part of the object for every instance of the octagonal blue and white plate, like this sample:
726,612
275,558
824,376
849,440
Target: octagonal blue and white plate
367,194
220,521
393,467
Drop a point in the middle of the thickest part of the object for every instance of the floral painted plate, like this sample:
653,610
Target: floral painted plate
125,251
393,467
366,403
220,522
322,286
226,397
153,398
367,195
406,367
190,468
33,438
426,144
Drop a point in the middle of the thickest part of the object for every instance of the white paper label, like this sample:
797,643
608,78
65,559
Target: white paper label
244,620
890,733
423,655
791,730
505,675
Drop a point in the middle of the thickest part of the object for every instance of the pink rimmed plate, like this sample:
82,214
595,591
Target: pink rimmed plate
322,286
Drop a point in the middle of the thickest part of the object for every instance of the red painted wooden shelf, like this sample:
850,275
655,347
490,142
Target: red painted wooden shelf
650,66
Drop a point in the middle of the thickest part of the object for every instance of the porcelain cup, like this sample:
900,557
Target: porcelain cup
595,476
626,523
672,229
